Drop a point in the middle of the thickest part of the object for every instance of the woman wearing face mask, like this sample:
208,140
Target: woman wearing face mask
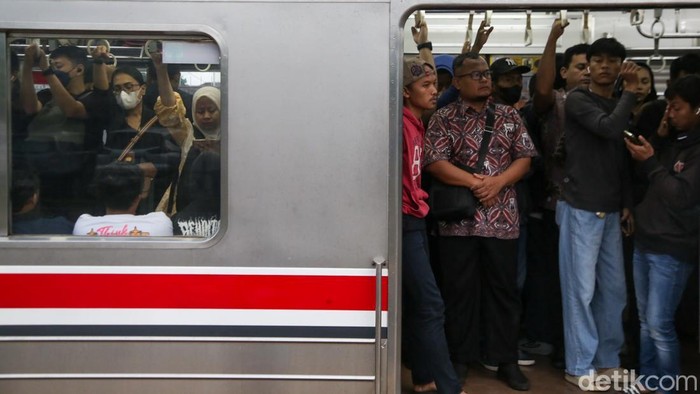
205,137
156,151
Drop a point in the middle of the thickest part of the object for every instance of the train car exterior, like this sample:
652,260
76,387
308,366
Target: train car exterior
299,289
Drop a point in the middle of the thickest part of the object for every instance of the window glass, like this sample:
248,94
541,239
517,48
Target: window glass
115,136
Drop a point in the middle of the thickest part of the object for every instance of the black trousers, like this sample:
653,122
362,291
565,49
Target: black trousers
481,298
542,317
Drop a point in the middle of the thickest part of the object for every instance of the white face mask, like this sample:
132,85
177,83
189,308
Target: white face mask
128,100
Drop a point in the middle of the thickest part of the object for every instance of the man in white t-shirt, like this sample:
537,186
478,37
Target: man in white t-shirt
119,186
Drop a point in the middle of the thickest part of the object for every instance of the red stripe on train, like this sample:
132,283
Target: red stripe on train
189,291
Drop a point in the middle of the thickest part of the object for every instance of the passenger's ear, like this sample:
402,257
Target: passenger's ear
406,93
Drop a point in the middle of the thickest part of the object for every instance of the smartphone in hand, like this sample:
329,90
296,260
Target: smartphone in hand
633,138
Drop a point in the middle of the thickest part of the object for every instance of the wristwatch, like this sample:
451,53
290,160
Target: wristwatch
426,44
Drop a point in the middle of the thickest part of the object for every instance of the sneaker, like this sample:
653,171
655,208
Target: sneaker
585,382
619,376
524,359
535,347
490,365
636,388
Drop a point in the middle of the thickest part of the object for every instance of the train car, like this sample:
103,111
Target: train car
295,285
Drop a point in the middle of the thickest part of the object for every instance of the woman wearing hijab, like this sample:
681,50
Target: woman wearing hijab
203,136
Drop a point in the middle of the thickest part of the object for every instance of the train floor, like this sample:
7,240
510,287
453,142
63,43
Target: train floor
545,379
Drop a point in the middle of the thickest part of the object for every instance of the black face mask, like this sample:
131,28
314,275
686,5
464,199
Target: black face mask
510,95
62,76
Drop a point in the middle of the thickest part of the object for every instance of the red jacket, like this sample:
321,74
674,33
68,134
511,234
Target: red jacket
413,201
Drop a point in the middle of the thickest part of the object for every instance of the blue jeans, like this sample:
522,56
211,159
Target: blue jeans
659,281
593,288
424,313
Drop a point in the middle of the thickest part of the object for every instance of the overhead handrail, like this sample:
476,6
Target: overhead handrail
656,34
528,28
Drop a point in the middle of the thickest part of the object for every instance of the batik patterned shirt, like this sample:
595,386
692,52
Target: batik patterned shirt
454,134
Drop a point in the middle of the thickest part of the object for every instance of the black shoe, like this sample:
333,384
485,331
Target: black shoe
461,370
511,374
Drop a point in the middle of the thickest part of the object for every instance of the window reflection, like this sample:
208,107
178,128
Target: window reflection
79,109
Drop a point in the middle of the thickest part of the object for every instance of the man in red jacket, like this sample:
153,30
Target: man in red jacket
423,307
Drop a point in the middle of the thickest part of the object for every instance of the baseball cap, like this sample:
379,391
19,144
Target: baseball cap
505,65
413,70
444,62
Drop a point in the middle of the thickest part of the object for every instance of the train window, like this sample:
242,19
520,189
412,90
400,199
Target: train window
115,136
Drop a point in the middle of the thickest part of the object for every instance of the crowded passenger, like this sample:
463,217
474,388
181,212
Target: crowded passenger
651,119
206,136
596,188
120,186
666,238
507,87
64,131
134,135
27,216
478,255
443,67
201,216
543,323
451,94
427,351
646,92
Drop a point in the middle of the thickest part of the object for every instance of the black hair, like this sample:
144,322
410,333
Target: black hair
118,184
131,71
570,52
606,46
459,60
73,53
24,185
688,63
687,88
653,94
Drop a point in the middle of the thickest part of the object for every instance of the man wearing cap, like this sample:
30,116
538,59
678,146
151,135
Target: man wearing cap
423,306
478,255
507,78
443,67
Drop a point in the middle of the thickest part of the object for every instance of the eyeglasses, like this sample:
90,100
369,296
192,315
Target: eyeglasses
127,87
477,75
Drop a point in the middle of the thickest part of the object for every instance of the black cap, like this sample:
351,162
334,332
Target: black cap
505,65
